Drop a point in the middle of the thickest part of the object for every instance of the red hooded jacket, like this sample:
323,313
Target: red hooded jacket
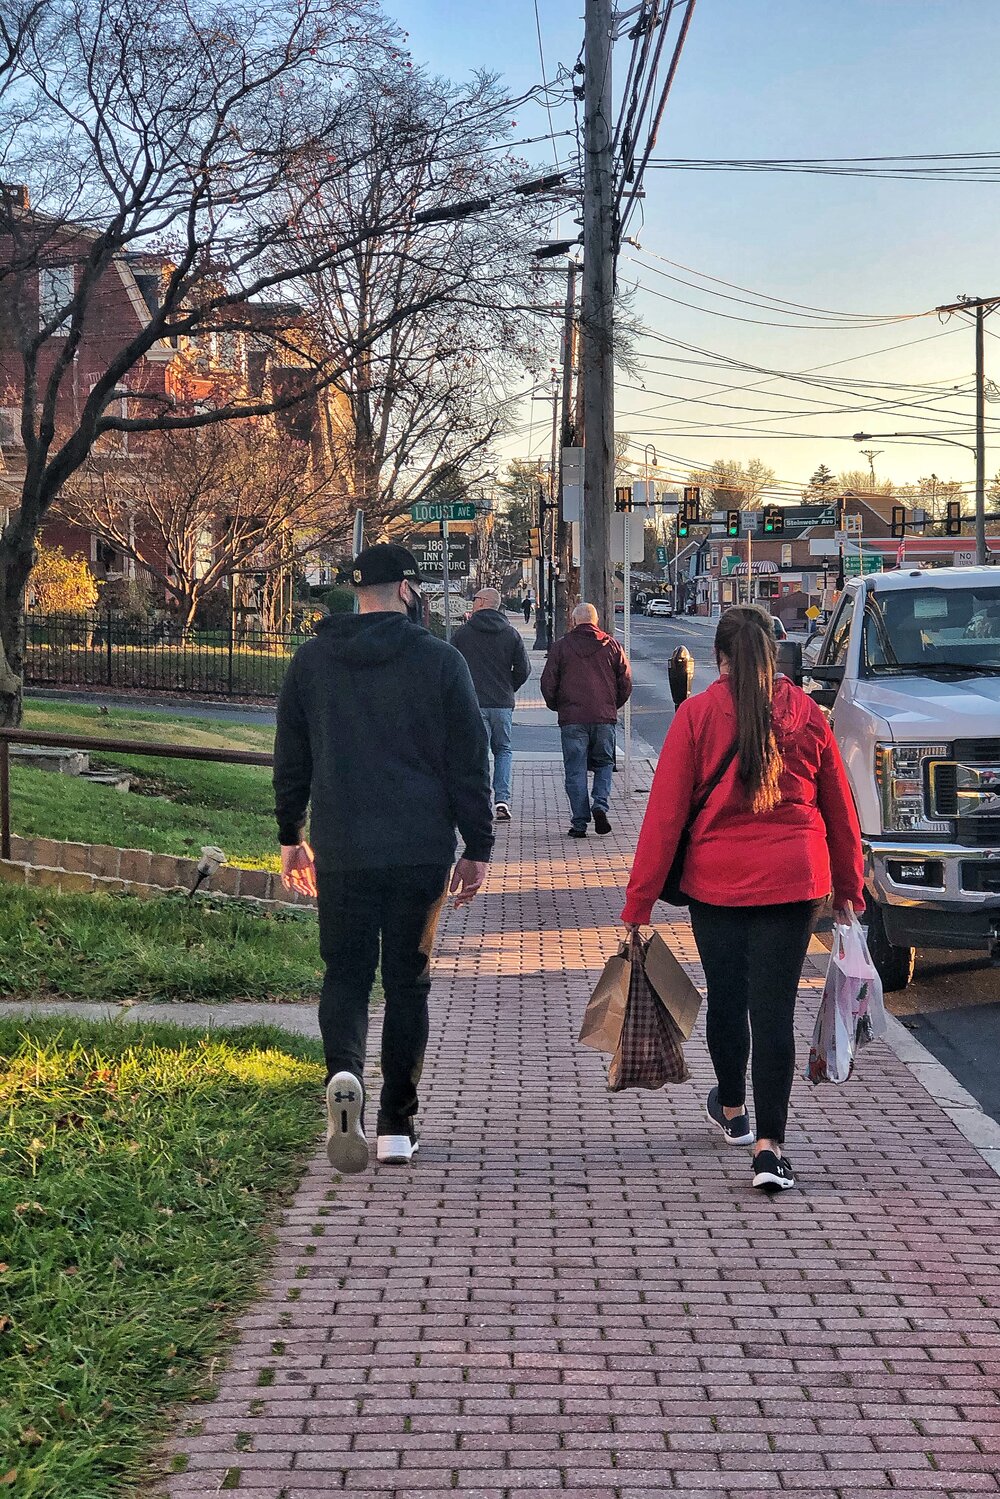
807,846
586,677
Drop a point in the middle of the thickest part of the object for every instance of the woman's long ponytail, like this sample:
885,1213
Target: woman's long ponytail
745,637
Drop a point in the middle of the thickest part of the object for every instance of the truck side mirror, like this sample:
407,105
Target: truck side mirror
831,674
790,660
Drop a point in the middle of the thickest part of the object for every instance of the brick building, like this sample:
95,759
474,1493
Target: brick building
257,359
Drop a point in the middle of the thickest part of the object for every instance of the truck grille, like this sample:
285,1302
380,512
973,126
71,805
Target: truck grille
944,782
977,751
978,832
966,787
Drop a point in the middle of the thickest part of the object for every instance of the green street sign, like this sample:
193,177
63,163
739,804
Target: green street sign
871,564
430,510
661,556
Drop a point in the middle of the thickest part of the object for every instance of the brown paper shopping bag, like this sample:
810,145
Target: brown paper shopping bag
668,976
605,1013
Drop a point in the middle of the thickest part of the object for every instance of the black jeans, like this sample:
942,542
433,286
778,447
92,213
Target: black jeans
358,909
753,957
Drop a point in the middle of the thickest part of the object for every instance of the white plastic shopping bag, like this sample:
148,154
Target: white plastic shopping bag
851,1011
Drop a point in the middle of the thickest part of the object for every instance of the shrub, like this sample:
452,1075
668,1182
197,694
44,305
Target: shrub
339,600
130,597
61,585
214,610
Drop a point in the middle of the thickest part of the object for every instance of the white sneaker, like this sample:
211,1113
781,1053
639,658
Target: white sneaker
396,1150
346,1146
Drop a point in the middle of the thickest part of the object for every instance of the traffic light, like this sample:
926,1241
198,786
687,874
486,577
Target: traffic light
623,499
732,522
536,542
899,522
683,526
692,502
774,522
953,521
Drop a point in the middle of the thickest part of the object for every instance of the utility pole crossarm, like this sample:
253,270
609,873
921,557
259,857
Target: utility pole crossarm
969,304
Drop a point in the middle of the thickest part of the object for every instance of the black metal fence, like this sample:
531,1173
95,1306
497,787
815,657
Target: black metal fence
122,653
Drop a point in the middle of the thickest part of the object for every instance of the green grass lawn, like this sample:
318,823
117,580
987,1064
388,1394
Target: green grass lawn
228,805
192,667
141,1167
116,947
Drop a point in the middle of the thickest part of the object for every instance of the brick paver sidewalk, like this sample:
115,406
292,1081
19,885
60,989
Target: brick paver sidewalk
580,1292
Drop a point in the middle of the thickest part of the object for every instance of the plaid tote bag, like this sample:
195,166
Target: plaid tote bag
650,1051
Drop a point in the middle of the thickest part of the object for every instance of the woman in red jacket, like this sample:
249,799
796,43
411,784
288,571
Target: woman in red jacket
777,833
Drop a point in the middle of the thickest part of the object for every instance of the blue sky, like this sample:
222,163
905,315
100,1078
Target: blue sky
789,78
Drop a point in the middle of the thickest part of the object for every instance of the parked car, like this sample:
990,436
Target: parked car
660,607
909,670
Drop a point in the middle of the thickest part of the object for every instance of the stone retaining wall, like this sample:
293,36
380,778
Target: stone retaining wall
95,866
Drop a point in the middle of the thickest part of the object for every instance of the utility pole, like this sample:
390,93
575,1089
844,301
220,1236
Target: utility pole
979,306
598,314
564,535
980,439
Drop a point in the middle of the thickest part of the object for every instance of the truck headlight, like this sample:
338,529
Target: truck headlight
902,780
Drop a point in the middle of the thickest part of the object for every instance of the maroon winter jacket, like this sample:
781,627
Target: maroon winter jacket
586,678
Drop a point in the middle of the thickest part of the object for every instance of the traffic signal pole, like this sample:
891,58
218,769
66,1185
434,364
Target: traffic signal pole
598,315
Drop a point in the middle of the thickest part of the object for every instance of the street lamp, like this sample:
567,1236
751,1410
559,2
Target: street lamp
981,552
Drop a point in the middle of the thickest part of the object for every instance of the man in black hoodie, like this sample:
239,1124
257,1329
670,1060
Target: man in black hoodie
379,729
498,661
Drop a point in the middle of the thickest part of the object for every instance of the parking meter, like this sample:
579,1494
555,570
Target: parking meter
680,674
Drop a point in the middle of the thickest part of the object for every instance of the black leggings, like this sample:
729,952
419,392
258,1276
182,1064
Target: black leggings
753,957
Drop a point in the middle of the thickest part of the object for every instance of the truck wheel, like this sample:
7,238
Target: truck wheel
894,964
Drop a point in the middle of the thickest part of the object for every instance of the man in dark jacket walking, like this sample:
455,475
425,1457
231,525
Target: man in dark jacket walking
379,729
586,680
498,661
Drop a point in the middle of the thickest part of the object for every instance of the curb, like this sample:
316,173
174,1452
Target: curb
964,1111
967,1114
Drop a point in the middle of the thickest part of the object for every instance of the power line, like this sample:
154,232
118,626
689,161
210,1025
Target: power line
761,297
801,327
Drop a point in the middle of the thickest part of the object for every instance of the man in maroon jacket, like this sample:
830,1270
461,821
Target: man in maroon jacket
586,680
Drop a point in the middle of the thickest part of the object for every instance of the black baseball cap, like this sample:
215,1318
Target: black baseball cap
384,563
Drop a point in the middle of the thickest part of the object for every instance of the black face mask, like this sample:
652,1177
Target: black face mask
415,608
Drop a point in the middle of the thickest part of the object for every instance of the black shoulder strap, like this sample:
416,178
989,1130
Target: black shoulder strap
714,780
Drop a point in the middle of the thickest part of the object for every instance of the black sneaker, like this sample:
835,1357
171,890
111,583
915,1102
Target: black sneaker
737,1131
772,1172
601,823
502,813
577,833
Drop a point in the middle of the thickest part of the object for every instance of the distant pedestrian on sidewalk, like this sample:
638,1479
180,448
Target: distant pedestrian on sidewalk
527,604
379,729
777,831
586,680
498,662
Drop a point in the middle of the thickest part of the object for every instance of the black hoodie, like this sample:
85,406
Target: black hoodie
379,727
495,655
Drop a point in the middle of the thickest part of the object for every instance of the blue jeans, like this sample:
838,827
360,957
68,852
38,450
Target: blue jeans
498,723
587,746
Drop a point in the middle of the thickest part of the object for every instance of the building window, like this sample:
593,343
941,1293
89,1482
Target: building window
786,554
55,289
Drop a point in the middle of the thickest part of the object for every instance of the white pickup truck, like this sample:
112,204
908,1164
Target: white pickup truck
909,668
